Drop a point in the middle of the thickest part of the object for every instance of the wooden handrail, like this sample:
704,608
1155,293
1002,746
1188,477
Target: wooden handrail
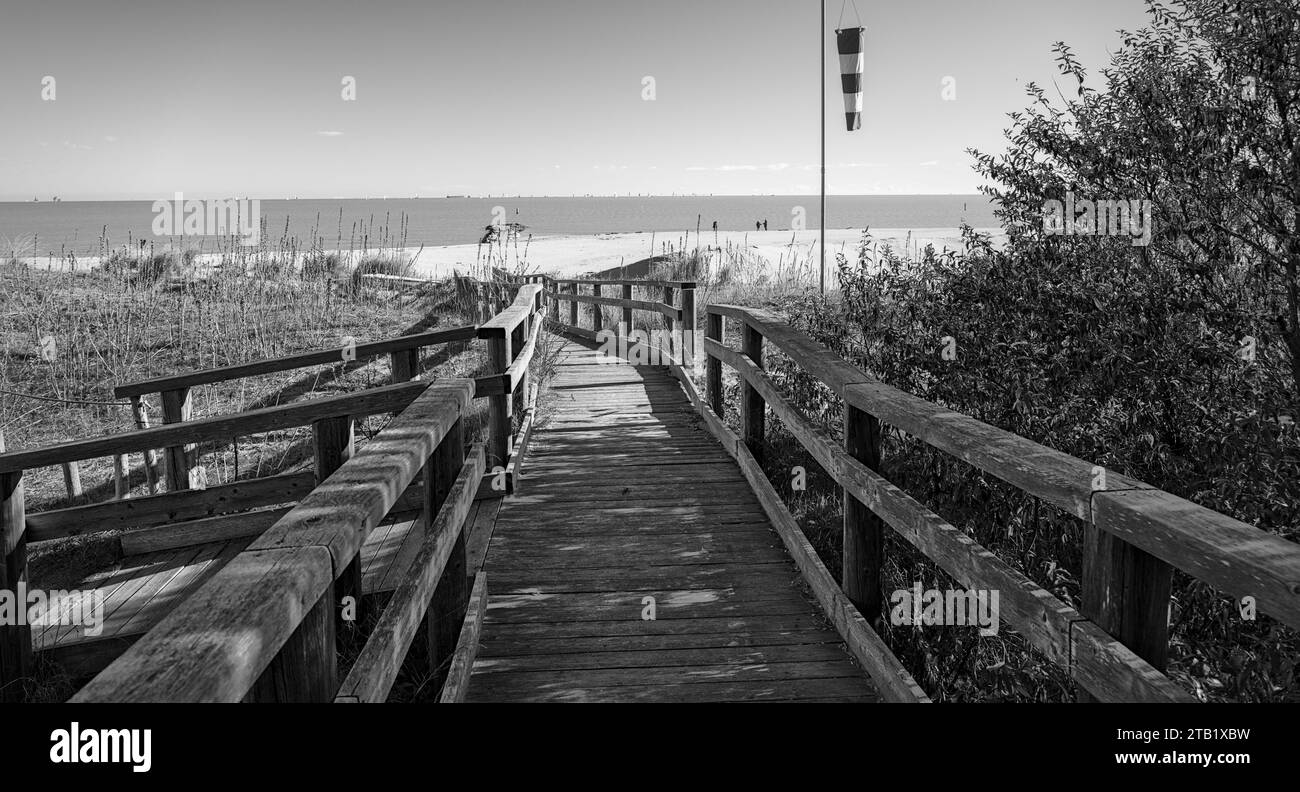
390,398
169,507
640,305
263,626
375,669
511,337
1235,557
647,283
525,304
681,321
291,362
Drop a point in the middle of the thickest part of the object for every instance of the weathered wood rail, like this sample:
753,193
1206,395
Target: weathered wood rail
282,596
676,306
1116,648
161,528
627,496
175,392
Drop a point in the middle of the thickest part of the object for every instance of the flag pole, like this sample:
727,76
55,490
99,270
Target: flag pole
821,274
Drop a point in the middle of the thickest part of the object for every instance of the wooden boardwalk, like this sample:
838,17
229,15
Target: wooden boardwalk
641,554
625,497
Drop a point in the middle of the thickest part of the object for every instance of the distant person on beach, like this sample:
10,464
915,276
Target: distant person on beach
758,226
715,225
764,225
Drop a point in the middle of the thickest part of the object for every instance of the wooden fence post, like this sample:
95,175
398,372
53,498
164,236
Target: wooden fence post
15,639
517,341
752,406
674,349
864,534
140,411
335,441
1126,593
573,306
405,364
306,668
688,327
72,480
553,294
597,317
177,406
121,474
713,367
627,313
450,598
499,407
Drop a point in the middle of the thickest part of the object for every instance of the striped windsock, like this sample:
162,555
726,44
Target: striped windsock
852,63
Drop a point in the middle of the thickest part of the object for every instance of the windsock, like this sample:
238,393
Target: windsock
852,63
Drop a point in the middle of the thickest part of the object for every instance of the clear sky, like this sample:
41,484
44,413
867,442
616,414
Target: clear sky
532,97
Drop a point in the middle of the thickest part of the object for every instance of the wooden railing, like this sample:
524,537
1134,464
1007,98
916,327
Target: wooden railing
512,344
227,511
1116,648
676,304
263,628
175,391
332,420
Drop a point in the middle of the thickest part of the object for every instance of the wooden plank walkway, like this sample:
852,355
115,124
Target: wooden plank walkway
625,497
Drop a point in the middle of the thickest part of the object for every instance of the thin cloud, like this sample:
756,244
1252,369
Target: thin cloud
927,164
330,133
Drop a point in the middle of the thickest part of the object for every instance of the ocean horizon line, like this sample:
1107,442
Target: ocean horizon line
201,196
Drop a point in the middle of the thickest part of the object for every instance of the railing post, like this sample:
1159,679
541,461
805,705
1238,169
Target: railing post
451,596
335,441
177,407
72,480
688,327
597,317
864,533
713,367
573,306
627,312
518,340
752,406
1126,593
499,407
553,294
674,349
141,414
405,365
121,482
15,639
306,669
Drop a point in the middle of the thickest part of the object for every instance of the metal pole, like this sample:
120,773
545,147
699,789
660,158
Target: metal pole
821,273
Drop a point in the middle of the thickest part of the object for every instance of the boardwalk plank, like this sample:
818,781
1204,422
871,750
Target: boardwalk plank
626,498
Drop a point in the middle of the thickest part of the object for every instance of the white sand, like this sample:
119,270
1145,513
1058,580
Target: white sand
571,256
577,255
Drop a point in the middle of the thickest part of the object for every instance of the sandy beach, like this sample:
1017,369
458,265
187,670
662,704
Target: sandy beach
570,256
573,256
